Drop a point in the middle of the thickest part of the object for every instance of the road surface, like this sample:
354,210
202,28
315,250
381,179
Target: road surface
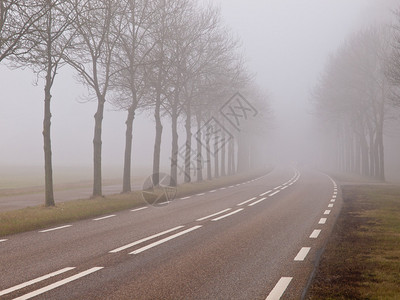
255,240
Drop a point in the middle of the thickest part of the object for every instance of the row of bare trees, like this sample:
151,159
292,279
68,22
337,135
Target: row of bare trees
356,96
174,58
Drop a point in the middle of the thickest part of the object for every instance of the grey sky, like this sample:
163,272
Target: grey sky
286,42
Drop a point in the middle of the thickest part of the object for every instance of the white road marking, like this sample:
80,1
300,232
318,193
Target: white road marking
322,221
244,202
33,281
333,200
165,240
274,193
258,201
315,233
302,254
278,187
218,213
2,241
58,283
184,198
334,193
227,215
106,217
56,228
144,239
137,209
223,188
213,191
334,196
327,212
330,205
283,188
231,186
279,288
201,194
267,192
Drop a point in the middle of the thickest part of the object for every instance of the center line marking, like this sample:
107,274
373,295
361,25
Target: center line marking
279,288
274,193
106,217
334,196
137,209
2,241
33,281
244,202
56,228
302,254
165,240
213,191
227,215
217,213
333,200
58,283
258,201
267,192
322,221
145,239
201,194
330,205
327,212
278,187
315,233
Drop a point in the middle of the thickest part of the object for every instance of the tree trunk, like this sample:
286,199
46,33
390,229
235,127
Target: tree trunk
208,137
188,150
97,145
199,150
223,153
126,182
216,156
174,150
157,140
48,167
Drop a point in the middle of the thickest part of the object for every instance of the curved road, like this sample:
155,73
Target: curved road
255,240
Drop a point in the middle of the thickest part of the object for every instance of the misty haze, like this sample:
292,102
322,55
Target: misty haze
225,149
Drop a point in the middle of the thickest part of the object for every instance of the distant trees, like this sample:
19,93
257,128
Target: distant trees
174,58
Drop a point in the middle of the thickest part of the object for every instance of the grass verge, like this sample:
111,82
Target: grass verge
33,218
362,257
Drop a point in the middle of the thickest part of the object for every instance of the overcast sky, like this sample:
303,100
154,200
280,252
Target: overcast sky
286,42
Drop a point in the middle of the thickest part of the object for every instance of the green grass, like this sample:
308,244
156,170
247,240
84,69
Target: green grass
362,257
39,217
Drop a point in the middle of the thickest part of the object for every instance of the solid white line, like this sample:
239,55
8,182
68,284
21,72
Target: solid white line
258,201
327,212
220,212
244,202
144,239
58,283
106,217
33,281
184,198
51,229
137,209
322,221
227,215
267,192
2,241
330,205
165,240
279,288
302,254
274,193
315,233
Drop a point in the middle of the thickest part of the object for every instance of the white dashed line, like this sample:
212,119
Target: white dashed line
223,188
302,254
56,228
2,241
330,205
213,191
267,192
227,215
217,213
283,188
279,288
258,201
278,187
33,281
58,283
327,212
315,233
333,200
244,202
334,196
165,239
137,209
184,198
322,221
201,194
274,193
145,239
106,217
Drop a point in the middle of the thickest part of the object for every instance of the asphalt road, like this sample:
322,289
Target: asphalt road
256,240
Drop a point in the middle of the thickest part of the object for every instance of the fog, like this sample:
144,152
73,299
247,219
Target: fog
286,44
